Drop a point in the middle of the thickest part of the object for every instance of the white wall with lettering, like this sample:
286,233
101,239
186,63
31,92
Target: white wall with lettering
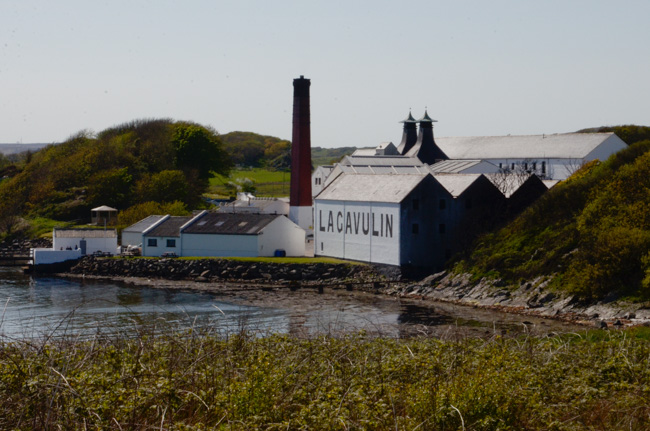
363,231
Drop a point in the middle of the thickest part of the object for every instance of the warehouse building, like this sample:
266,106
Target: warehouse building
399,219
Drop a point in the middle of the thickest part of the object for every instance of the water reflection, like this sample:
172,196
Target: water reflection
43,307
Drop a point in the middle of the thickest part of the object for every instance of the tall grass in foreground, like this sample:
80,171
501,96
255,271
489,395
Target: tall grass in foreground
594,381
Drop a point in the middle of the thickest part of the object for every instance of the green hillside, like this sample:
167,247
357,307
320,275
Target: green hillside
131,164
590,233
250,150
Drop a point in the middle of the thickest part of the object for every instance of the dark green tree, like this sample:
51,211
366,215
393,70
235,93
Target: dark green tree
200,150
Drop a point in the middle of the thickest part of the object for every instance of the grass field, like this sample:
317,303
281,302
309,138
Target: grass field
596,380
267,183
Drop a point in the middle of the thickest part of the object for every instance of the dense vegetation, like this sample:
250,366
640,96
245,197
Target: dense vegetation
249,149
590,233
328,156
592,381
144,161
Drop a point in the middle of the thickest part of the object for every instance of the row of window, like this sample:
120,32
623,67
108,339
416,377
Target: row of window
525,165
153,242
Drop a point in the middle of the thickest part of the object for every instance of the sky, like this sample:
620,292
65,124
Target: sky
480,68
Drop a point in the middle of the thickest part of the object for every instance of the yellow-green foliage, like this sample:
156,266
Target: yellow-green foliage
592,232
190,381
122,166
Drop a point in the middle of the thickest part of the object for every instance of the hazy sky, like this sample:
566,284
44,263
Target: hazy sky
481,67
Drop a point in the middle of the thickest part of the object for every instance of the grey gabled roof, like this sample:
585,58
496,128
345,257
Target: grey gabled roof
169,227
456,184
229,223
144,224
560,146
390,188
372,160
458,166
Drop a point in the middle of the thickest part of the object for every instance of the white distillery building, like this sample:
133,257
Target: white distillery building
245,235
398,219
549,156
247,203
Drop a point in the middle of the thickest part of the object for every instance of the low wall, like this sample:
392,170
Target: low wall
223,269
47,256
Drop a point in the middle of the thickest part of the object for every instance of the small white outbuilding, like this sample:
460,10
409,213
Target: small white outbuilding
220,234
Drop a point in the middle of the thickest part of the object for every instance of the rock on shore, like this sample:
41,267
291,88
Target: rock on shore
530,297
224,270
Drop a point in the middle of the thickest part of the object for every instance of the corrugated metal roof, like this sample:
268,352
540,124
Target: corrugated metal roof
364,152
85,233
230,223
170,227
257,203
371,188
456,184
372,160
143,224
454,166
560,146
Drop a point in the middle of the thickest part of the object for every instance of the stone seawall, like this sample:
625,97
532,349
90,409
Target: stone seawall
225,270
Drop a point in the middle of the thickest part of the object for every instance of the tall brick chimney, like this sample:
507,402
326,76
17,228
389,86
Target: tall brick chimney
300,200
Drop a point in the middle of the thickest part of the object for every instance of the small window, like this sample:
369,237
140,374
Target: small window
443,204
534,166
416,228
525,166
500,165
543,167
416,204
152,242
171,243
512,166
442,228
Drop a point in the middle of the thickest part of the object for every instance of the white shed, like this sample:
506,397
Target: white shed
88,240
241,234
132,235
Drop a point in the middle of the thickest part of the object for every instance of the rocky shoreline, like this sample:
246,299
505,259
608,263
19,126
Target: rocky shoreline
532,298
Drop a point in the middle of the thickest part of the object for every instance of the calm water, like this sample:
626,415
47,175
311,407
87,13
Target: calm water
45,307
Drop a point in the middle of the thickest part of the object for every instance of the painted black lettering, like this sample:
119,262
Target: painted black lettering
382,224
348,223
356,216
365,223
374,232
330,222
339,221
389,225
320,221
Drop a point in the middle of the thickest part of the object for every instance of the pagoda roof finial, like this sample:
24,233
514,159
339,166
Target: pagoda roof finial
426,118
409,119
